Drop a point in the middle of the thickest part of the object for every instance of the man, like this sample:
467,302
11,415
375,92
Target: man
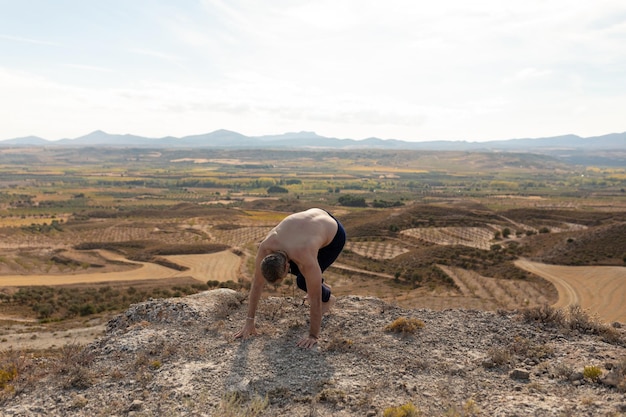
305,244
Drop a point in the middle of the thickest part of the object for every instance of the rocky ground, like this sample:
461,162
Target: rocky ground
177,357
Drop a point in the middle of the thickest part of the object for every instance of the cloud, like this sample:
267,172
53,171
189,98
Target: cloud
529,74
28,40
89,68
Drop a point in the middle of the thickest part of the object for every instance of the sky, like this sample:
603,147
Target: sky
412,70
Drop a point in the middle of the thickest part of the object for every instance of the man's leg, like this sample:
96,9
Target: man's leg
328,300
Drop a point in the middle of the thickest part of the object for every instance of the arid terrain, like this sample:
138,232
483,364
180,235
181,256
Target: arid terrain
177,357
79,248
369,267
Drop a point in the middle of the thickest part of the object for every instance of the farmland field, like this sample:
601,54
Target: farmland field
598,289
432,230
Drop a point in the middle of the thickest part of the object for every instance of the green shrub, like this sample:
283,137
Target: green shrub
592,372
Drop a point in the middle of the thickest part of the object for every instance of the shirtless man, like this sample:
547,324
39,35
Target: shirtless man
305,244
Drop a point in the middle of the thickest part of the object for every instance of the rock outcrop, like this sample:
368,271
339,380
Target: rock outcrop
177,357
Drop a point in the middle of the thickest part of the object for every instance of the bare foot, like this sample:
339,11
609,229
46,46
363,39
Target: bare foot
329,304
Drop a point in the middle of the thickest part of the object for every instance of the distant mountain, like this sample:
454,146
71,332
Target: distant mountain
25,141
311,140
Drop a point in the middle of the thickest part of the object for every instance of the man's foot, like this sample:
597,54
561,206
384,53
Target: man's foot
329,304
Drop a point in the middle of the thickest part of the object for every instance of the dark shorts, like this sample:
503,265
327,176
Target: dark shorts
325,258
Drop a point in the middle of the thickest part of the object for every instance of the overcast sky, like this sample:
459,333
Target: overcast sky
411,70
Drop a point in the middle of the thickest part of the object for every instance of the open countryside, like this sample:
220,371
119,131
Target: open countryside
439,230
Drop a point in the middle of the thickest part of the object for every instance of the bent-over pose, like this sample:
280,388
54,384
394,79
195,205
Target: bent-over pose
305,244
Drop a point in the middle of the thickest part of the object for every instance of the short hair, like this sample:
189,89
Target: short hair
273,266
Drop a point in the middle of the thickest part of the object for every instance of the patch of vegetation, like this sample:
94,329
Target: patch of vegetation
405,325
63,302
237,404
13,373
352,201
603,245
573,319
405,410
592,372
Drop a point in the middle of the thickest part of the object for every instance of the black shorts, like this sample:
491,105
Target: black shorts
325,258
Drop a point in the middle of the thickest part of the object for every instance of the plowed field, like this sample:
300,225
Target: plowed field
599,289
220,266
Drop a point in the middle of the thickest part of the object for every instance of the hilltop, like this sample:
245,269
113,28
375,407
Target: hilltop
176,357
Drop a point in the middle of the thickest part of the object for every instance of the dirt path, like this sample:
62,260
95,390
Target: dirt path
599,289
221,266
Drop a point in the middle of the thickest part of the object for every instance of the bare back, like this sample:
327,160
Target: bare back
301,234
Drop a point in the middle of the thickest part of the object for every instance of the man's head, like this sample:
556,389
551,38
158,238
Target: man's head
275,266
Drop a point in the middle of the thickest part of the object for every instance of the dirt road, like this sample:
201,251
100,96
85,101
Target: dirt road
599,289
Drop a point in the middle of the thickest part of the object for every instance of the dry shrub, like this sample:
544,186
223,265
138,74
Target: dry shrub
574,319
237,404
406,410
544,314
580,320
563,370
16,373
331,395
620,371
72,366
340,344
500,356
528,349
405,325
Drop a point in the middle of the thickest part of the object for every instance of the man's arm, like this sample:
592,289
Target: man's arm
313,276
258,282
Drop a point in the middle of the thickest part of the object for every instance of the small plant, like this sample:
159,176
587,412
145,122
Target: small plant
544,314
592,372
500,356
405,325
72,366
236,404
563,370
575,319
406,410
7,375
340,344
331,395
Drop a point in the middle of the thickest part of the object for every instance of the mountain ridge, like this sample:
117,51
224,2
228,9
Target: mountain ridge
223,138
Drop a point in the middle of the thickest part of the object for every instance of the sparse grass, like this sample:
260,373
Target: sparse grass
15,369
73,367
340,344
331,395
405,325
236,404
563,370
468,409
592,372
544,314
527,348
500,356
405,410
574,318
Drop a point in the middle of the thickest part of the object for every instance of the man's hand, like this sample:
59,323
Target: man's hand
249,329
307,342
